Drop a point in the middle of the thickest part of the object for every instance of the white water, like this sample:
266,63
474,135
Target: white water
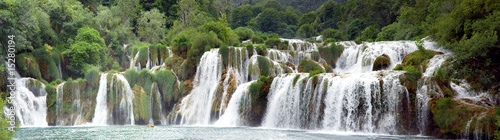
30,106
195,108
298,105
122,89
101,109
233,114
59,103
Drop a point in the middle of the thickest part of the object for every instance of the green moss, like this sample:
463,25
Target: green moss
224,52
166,82
272,42
398,67
132,76
143,56
314,72
257,39
154,53
48,59
142,106
382,62
412,73
265,66
315,56
331,53
250,50
307,65
28,66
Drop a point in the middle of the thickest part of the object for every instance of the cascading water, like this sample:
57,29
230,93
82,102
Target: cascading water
237,107
351,102
59,103
125,110
101,110
195,108
30,102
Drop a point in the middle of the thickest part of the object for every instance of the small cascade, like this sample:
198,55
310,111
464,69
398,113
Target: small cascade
163,119
59,103
30,102
124,112
467,129
133,62
300,45
151,104
76,118
60,71
148,63
238,107
362,102
101,110
195,108
427,90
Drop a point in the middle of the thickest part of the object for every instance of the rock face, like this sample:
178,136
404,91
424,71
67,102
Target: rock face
381,63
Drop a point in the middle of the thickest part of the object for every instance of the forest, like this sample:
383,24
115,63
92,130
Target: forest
82,38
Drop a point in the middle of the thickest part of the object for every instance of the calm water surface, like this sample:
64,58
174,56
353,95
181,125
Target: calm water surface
188,132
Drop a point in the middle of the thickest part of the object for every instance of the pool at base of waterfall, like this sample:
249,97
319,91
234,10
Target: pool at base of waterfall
189,132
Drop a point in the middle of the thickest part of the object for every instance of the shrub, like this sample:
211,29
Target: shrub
306,31
261,50
265,65
332,34
28,66
271,42
92,76
331,53
369,34
257,39
221,31
250,49
132,76
181,44
244,33
412,73
307,65
47,58
388,32
315,56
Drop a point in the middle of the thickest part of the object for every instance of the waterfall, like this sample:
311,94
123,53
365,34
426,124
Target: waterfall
101,109
125,109
133,61
163,119
76,106
151,104
30,102
237,107
360,102
59,103
60,71
195,108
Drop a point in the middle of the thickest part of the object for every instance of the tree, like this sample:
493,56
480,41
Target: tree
222,31
168,7
332,33
307,18
150,26
88,50
274,4
369,34
306,31
269,20
186,7
241,15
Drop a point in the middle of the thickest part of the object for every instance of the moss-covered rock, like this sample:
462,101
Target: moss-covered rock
28,66
331,53
307,65
381,62
451,116
258,93
219,95
142,106
419,59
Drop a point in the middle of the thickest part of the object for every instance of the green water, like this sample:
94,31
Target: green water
187,132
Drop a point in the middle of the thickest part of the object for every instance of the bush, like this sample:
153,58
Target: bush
265,66
261,50
382,62
181,44
331,33
315,56
132,76
244,33
331,53
250,49
412,73
222,32
307,65
4,132
92,76
47,58
369,34
257,39
28,66
271,42
306,31
388,32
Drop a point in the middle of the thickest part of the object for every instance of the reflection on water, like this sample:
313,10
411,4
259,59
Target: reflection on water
187,132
